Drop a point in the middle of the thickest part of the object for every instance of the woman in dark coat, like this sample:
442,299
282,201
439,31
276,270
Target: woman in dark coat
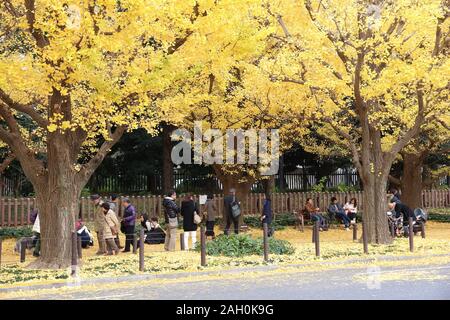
188,208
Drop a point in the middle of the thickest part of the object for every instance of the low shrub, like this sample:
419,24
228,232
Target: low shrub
15,232
243,245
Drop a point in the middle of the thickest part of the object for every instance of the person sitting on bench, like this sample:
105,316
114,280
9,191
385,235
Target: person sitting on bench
335,210
351,209
313,212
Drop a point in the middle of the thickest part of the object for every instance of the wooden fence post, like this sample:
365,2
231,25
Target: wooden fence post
392,227
411,234
355,232
74,253
141,250
313,233
266,242
0,252
203,246
364,236
422,232
23,248
79,248
317,237
182,244
135,243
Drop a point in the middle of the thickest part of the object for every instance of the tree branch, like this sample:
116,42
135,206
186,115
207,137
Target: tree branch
27,109
89,168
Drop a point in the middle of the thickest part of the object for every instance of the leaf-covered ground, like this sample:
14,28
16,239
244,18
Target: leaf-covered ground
336,245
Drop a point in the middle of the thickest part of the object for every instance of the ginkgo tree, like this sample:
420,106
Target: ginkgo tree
221,86
84,72
376,70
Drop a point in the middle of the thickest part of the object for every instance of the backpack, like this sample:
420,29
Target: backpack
235,208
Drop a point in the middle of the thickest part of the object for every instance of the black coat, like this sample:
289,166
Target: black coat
171,209
187,211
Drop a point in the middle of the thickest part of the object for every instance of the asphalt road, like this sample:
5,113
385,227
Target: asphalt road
429,282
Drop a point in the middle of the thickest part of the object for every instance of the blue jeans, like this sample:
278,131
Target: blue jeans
318,217
344,218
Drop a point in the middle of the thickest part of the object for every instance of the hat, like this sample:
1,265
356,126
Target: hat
95,197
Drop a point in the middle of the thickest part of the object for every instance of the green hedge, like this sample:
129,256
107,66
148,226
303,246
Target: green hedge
15,232
243,245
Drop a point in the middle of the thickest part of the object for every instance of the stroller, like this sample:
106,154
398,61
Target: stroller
398,228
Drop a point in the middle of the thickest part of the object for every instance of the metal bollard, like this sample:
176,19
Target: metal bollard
0,252
134,243
411,235
74,261
355,232
79,248
266,242
317,237
313,233
422,232
23,248
182,245
141,250
203,245
364,236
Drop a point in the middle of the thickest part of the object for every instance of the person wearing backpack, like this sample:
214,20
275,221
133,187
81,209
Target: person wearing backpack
232,210
189,210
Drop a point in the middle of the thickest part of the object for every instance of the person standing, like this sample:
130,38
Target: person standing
37,232
111,229
267,216
171,211
188,209
114,206
231,206
99,223
211,216
128,220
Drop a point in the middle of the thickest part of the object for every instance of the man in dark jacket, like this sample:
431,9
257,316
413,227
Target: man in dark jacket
402,209
171,211
228,201
335,209
129,220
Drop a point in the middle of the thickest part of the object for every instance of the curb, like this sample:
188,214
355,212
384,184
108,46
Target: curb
140,277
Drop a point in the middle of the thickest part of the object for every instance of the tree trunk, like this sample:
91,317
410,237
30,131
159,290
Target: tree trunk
374,211
412,180
58,204
167,166
236,181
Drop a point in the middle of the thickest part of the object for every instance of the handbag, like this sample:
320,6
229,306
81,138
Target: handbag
122,226
173,222
235,208
197,218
